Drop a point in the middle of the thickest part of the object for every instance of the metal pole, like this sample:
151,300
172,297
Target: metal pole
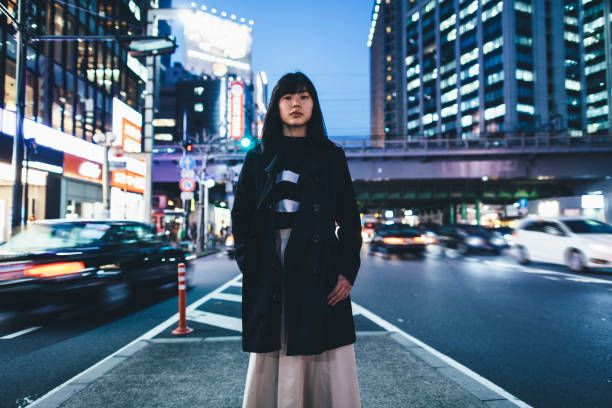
149,108
18,142
105,182
205,217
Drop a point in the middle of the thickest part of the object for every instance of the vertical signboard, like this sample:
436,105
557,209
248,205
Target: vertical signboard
236,109
127,126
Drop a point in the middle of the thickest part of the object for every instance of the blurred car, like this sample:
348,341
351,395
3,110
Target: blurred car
504,232
90,261
579,243
399,239
229,246
467,238
367,231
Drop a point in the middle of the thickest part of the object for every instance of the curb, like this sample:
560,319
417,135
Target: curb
485,394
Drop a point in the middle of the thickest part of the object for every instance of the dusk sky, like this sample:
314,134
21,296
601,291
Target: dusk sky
325,39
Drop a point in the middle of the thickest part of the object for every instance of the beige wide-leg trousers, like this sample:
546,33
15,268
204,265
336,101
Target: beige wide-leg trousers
326,380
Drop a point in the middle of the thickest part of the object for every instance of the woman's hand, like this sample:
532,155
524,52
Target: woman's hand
340,292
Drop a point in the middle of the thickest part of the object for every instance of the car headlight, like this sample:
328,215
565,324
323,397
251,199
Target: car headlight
498,241
474,241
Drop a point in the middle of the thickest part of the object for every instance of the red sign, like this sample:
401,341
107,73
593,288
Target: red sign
127,180
83,169
187,184
236,109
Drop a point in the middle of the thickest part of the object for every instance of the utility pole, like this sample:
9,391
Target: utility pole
18,216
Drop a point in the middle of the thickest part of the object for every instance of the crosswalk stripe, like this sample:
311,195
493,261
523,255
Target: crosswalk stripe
227,296
214,319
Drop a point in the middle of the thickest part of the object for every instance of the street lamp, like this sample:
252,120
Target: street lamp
105,140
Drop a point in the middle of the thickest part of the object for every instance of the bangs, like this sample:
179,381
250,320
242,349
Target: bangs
293,83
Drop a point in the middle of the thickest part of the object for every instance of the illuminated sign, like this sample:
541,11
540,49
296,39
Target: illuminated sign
236,109
127,124
210,40
592,201
83,169
129,181
51,138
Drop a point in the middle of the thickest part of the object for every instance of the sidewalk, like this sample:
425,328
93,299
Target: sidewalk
207,368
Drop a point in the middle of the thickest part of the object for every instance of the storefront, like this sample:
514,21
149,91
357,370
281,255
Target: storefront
81,195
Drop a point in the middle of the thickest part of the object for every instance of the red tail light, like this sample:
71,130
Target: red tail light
229,240
55,269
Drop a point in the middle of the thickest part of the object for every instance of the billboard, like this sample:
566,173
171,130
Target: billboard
127,124
212,43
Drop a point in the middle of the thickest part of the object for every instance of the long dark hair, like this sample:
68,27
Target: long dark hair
293,82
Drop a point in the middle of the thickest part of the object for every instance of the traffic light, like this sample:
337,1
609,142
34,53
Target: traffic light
188,145
245,142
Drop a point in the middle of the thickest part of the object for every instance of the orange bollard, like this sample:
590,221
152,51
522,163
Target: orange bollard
182,289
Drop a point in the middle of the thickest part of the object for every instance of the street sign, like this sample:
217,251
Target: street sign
188,174
186,196
117,165
187,184
187,163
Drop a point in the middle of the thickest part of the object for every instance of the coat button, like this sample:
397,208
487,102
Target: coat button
316,207
315,238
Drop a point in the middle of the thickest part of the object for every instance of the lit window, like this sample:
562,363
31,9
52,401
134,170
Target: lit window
431,75
495,78
522,40
429,118
413,84
452,35
467,26
198,90
412,71
466,120
451,80
430,6
449,111
388,97
415,17
447,67
389,58
569,20
469,56
492,45
524,7
591,40
413,124
472,7
572,37
572,85
449,22
470,72
198,107
409,59
594,25
521,107
469,88
388,29
469,104
495,112
595,68
449,96
599,111
493,11
524,75
596,97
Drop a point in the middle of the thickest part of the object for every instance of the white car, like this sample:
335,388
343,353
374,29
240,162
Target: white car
579,243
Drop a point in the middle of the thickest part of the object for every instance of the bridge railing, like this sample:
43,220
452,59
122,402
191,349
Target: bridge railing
499,141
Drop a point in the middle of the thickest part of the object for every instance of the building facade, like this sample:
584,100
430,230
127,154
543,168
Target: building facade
70,90
481,68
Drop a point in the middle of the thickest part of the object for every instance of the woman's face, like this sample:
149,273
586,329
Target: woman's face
295,109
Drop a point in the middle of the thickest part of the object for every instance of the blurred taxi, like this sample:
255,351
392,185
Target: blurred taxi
229,246
579,243
399,239
91,261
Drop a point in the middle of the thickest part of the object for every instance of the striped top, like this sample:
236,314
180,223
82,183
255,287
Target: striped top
285,193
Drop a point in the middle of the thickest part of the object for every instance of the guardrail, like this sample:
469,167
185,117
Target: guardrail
539,141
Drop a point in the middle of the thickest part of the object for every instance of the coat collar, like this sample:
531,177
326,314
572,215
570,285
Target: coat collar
311,166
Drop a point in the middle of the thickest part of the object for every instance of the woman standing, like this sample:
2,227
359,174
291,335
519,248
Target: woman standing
297,237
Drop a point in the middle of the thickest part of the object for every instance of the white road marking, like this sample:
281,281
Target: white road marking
228,296
239,284
538,271
214,319
20,333
392,328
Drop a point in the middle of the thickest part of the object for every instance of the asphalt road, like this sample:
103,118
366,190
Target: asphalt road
539,332
69,341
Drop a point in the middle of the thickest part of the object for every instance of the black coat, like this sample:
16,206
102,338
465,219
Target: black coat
314,255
